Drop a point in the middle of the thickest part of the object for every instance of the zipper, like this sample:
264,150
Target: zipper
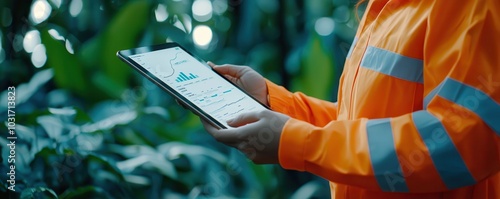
353,85
368,31
355,78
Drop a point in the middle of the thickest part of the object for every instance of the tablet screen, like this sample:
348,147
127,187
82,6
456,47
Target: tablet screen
198,83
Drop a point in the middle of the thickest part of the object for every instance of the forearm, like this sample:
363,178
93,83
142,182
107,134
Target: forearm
299,106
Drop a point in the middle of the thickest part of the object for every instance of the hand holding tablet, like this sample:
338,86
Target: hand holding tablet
192,82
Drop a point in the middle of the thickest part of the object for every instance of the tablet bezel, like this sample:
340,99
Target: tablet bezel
124,55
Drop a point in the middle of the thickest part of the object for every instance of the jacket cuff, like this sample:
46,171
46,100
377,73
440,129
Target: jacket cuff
293,143
279,98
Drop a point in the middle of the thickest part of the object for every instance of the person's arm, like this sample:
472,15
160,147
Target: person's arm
452,143
299,106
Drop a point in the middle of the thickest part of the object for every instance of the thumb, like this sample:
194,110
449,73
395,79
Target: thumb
211,64
223,69
243,119
229,70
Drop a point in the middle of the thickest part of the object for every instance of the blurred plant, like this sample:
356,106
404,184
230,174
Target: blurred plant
89,127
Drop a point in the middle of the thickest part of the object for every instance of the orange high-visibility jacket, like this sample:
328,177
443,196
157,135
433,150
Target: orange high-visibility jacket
418,112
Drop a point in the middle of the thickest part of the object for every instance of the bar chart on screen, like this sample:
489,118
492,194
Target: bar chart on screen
183,77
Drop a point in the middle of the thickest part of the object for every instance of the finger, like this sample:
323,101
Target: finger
243,119
211,64
223,71
231,70
227,70
231,78
226,136
208,126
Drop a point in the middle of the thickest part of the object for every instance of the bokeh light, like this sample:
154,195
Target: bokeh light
342,14
202,36
39,57
69,47
186,20
324,26
184,25
220,6
40,11
161,13
31,40
202,10
56,35
57,3
75,7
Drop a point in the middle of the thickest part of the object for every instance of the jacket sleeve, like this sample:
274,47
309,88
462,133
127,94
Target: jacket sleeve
453,142
299,106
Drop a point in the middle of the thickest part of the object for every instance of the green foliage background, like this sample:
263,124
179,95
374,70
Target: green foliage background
90,127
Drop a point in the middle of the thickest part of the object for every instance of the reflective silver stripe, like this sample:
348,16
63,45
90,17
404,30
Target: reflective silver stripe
393,64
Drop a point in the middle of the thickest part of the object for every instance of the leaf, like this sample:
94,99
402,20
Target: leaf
168,30
316,75
47,154
165,167
52,125
85,192
157,110
90,52
68,71
67,111
66,115
81,116
108,85
128,136
143,155
23,161
89,141
107,165
137,180
131,164
40,143
110,122
38,192
27,90
156,161
107,109
122,33
25,132
175,149
131,151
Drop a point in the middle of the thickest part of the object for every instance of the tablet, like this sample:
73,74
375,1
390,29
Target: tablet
192,82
